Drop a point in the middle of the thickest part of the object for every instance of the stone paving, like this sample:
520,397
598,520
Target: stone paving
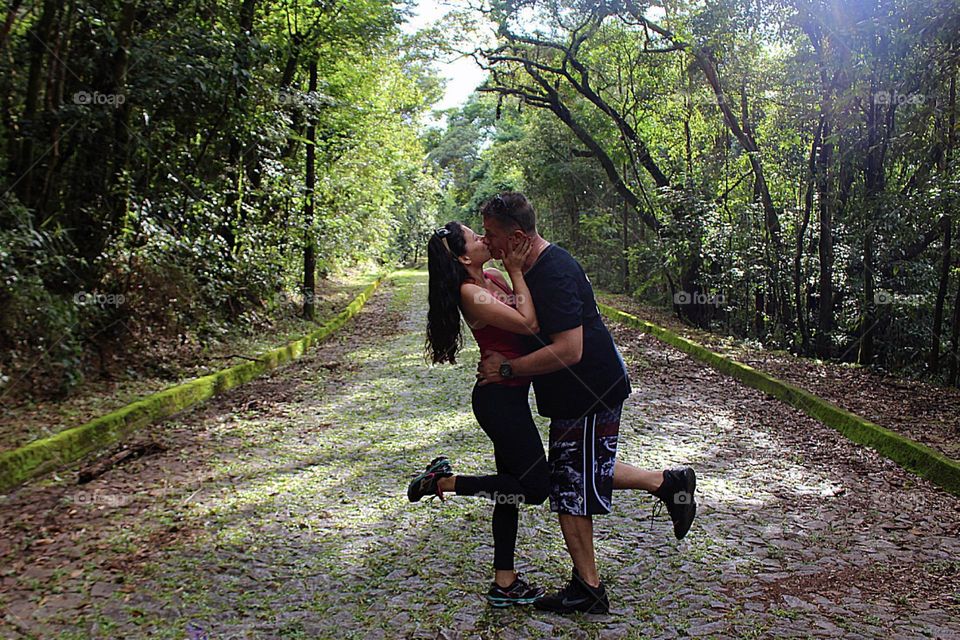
278,511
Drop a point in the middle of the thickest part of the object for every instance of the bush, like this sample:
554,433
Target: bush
40,350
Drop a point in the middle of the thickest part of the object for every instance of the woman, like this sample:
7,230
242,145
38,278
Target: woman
498,318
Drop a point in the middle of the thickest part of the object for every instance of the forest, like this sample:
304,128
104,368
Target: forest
783,172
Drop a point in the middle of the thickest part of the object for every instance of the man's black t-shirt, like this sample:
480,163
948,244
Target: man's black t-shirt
564,300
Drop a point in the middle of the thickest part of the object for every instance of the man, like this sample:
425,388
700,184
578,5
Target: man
580,383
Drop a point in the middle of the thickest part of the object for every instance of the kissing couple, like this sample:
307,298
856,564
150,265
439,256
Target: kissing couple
547,331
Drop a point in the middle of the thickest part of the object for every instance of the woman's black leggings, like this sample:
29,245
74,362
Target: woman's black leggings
522,474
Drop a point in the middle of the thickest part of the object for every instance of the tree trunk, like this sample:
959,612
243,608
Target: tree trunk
234,209
121,124
955,338
825,248
758,306
8,23
877,135
251,154
310,247
798,292
53,99
952,120
625,264
946,225
97,206
38,44
868,310
744,136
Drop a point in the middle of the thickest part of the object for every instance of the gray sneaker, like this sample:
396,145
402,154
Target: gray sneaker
425,484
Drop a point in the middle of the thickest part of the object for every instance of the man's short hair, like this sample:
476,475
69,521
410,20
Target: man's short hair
512,210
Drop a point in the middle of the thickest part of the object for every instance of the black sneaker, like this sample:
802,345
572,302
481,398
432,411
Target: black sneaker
576,596
425,484
518,593
677,493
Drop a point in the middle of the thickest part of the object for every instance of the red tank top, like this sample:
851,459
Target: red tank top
491,338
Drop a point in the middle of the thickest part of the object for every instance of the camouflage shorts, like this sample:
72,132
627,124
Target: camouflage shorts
582,454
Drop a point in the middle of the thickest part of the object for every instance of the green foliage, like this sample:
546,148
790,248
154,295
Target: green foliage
32,264
671,151
177,177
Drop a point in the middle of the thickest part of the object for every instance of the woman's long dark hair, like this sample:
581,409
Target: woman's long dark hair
444,332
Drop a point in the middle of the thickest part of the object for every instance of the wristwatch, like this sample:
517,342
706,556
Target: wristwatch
506,370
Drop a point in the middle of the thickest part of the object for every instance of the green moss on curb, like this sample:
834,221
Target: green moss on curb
918,458
40,456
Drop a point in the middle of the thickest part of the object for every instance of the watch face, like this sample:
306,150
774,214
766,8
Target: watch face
506,370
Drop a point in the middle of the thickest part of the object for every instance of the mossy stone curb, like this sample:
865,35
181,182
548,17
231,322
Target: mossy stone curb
72,444
918,458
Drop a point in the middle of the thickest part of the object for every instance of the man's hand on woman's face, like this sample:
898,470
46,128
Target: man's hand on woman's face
488,371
